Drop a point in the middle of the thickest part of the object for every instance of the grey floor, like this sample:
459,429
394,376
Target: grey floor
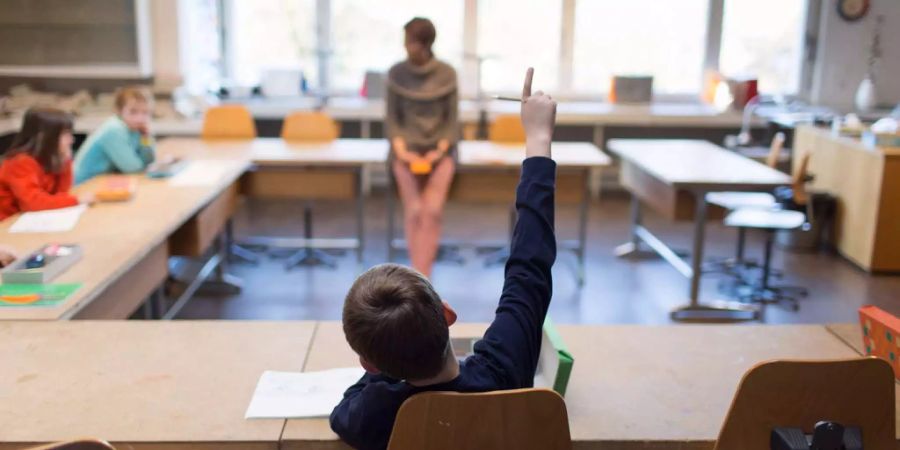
615,291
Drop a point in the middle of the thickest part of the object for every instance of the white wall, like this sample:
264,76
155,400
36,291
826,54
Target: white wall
167,71
843,52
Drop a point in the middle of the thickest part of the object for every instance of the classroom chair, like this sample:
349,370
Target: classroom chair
309,127
796,394
521,419
80,444
507,129
228,122
771,220
735,200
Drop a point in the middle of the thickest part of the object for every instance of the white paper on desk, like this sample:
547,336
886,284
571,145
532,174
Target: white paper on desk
50,221
202,173
294,395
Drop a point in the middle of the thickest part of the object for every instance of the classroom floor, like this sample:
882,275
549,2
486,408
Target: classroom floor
615,291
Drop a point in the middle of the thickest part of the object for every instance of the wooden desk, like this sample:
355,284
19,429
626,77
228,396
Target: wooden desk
850,334
489,173
866,183
642,387
295,170
674,176
125,247
143,385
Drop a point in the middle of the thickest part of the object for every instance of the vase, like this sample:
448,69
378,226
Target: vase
865,95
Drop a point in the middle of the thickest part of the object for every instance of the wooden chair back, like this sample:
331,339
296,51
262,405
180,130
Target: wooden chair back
797,394
798,180
228,122
521,419
79,444
507,129
309,126
775,150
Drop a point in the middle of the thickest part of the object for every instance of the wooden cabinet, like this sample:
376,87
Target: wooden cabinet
866,183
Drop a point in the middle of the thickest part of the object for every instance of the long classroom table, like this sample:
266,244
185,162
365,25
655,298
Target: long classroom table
186,385
673,177
126,245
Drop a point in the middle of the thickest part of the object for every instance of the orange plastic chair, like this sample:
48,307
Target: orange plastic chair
309,126
228,122
521,419
853,392
507,129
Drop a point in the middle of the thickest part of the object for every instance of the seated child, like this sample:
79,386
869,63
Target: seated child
36,174
398,325
123,143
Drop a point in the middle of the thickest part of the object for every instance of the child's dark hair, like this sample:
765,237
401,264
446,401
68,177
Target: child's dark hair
39,137
395,320
421,30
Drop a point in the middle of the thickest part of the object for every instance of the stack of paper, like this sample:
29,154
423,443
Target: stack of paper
292,395
50,221
202,173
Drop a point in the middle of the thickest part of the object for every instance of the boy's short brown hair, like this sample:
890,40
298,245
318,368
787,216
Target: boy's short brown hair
395,320
138,93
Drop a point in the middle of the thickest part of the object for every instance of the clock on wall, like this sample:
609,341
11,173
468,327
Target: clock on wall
852,10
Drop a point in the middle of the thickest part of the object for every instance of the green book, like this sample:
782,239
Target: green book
48,294
555,363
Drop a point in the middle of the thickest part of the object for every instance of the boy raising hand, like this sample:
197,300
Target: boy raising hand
399,326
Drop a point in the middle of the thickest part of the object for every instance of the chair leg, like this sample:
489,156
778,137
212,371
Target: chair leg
309,256
238,252
765,292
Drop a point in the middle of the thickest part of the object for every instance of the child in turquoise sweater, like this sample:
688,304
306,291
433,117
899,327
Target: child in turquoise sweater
123,143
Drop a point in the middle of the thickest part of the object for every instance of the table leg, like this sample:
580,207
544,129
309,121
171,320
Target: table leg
360,215
390,217
715,311
582,226
632,247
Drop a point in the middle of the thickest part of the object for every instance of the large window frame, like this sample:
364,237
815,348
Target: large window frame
469,70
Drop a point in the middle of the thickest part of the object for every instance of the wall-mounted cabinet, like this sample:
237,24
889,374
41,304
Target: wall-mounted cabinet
75,38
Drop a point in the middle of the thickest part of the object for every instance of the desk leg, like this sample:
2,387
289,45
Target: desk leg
390,217
715,311
360,215
582,226
633,247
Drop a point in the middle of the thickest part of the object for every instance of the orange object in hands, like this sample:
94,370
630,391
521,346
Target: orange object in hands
420,167
117,189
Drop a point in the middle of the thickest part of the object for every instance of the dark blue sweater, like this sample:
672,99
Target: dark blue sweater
506,357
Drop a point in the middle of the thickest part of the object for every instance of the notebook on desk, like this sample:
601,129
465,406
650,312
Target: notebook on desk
554,364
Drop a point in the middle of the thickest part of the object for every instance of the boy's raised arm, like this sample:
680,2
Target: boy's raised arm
513,340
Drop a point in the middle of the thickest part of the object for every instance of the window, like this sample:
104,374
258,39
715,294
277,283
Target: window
759,43
267,34
368,35
661,38
201,46
513,34
576,46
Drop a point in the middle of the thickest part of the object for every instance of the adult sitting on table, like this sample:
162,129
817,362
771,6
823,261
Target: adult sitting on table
422,125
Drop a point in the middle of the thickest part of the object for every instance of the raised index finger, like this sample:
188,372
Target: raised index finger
526,90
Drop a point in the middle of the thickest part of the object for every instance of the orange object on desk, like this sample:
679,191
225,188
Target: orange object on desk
20,299
420,167
117,189
880,335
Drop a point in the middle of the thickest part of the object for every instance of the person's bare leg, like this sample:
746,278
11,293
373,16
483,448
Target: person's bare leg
411,198
434,197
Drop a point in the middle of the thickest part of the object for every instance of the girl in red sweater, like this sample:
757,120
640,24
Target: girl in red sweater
36,173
